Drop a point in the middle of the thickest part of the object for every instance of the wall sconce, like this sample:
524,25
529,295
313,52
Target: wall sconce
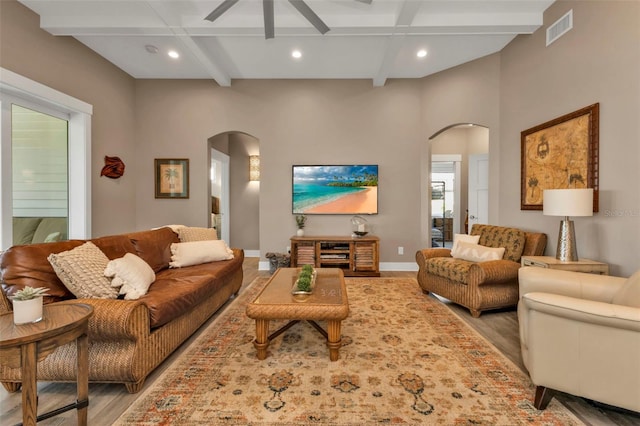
254,168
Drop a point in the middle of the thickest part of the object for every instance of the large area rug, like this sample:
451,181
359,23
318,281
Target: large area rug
406,359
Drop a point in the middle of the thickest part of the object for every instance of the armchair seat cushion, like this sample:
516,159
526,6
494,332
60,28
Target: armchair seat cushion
450,268
629,293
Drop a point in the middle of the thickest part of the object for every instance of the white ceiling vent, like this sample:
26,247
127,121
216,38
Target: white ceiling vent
560,27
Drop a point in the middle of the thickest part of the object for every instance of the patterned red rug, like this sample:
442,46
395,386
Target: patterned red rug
406,359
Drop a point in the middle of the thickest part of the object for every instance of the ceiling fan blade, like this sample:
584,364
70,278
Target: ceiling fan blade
267,6
365,1
218,11
310,15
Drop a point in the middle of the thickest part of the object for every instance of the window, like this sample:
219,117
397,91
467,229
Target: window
27,97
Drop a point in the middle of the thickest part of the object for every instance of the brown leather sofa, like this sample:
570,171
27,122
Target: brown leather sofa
127,338
480,286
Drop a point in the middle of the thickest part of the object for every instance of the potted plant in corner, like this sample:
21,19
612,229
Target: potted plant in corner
27,304
300,222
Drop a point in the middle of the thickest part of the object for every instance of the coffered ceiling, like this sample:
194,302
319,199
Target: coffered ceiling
367,39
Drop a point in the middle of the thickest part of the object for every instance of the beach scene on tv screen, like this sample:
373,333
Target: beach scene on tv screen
335,189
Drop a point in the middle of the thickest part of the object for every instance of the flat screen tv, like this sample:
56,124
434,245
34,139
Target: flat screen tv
351,189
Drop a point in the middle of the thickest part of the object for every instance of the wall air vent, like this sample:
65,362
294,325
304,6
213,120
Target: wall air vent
560,27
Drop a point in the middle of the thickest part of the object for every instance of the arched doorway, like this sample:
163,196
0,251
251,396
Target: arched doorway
235,198
456,153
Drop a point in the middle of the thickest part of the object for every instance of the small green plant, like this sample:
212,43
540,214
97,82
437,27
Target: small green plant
301,220
304,283
29,293
307,268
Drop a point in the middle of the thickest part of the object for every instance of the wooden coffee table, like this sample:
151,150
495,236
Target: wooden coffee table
275,302
22,346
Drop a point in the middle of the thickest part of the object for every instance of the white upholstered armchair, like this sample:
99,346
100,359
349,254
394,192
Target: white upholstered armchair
580,334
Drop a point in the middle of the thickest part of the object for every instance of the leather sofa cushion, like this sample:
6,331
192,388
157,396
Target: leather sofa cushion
175,291
154,246
27,265
629,293
114,246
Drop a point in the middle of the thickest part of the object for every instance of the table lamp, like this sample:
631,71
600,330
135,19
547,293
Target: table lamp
567,202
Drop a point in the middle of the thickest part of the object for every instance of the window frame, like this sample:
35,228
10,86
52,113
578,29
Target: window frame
17,89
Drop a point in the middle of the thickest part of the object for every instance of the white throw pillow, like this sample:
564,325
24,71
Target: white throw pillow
131,275
465,238
81,271
629,293
197,252
478,253
188,234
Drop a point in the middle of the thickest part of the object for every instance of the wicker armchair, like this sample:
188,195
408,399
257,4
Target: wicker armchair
480,286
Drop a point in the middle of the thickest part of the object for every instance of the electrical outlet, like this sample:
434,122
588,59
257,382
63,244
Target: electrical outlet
288,249
400,250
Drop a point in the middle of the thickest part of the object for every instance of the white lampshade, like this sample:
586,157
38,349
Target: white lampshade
567,202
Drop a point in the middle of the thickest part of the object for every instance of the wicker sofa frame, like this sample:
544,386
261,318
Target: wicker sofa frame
124,347
490,285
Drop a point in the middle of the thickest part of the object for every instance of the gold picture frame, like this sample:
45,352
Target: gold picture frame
172,177
560,154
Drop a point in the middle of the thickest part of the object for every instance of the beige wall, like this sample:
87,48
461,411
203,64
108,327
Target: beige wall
244,200
296,122
66,65
468,93
597,61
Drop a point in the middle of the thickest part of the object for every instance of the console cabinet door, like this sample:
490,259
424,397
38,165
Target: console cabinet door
366,257
305,252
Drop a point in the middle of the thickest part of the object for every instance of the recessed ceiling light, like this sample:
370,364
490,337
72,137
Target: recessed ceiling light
173,54
296,54
421,53
151,48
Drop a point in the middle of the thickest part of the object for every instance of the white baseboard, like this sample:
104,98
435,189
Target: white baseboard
384,266
398,266
252,253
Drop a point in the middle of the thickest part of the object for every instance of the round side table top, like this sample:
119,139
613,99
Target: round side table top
57,318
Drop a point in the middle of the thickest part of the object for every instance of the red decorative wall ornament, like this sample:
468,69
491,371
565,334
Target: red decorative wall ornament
113,167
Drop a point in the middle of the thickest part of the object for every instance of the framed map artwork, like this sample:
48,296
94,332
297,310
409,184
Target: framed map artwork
560,154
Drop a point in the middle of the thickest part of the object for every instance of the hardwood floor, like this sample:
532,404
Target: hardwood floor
109,401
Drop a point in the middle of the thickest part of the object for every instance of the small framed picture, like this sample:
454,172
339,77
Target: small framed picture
172,177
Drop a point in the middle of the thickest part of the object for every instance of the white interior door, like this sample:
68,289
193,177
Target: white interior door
478,189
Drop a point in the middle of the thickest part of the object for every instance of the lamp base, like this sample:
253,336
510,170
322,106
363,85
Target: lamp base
567,250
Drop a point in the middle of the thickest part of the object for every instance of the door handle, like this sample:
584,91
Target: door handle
472,217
